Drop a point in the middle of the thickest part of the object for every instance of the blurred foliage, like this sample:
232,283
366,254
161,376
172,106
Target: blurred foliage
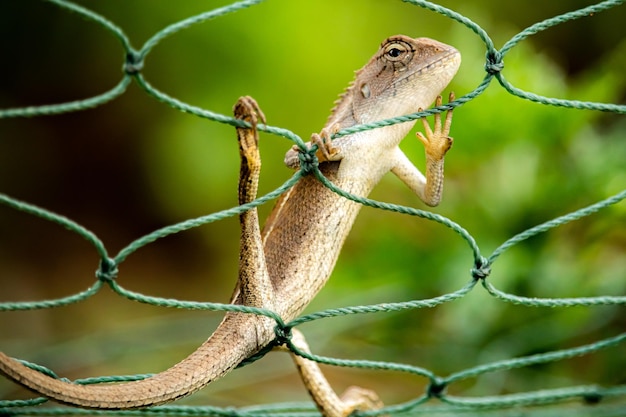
133,165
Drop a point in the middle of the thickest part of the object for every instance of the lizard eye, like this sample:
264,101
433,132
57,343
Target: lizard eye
396,51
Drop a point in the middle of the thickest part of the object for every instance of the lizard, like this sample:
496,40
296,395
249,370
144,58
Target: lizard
282,267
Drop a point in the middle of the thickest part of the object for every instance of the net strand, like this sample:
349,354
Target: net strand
108,268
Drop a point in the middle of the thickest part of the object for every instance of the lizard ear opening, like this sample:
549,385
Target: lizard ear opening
365,90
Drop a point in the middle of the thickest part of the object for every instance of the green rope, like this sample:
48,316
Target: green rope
436,386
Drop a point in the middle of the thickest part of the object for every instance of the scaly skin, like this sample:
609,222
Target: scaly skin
283,268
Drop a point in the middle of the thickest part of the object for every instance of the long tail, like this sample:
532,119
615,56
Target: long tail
235,339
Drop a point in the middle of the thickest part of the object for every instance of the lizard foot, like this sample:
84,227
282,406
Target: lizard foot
325,149
437,142
360,399
248,110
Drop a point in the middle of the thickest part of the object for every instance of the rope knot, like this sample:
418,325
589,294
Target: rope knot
308,160
592,397
283,334
481,269
134,63
436,388
107,270
494,63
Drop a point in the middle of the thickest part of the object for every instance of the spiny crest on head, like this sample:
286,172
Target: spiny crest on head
345,97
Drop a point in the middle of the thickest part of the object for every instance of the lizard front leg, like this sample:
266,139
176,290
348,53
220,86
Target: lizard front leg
326,151
436,142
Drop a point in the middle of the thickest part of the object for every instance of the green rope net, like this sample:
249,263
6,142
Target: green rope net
437,386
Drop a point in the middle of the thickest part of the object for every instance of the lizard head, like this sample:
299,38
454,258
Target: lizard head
405,75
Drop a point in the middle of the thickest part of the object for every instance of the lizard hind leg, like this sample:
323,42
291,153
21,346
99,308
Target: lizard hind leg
329,404
254,287
248,110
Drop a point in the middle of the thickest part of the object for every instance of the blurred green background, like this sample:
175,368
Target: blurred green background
134,165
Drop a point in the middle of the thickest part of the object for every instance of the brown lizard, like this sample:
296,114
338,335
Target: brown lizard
284,267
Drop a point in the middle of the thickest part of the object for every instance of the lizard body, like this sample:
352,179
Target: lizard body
284,267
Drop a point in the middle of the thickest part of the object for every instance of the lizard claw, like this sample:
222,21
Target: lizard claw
360,399
247,109
437,142
325,149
